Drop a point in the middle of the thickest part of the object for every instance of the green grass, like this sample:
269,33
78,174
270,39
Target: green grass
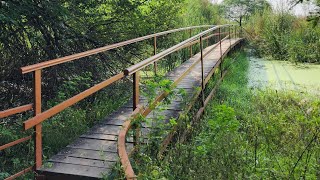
246,134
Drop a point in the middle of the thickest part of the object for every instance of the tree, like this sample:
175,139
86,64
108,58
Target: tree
314,16
33,31
237,10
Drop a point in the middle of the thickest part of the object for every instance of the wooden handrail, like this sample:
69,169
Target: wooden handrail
20,173
5,146
60,107
134,68
65,59
15,110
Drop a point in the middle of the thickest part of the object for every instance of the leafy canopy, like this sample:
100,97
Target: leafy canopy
237,10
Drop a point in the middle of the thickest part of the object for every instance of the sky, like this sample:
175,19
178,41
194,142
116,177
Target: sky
299,10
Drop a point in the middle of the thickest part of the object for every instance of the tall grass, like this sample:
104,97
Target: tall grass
246,134
283,36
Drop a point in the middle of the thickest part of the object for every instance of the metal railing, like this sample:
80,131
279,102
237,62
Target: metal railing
134,71
39,116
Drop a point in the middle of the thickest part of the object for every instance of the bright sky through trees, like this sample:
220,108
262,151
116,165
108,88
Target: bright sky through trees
300,9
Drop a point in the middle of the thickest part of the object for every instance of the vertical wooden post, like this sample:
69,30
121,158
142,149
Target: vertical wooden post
154,53
202,71
38,127
220,52
230,36
136,94
191,54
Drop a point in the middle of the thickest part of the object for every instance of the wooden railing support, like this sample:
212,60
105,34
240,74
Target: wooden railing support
191,54
235,31
230,36
154,53
220,66
38,127
202,71
136,95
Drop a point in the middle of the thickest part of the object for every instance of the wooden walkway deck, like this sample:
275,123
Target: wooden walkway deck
94,154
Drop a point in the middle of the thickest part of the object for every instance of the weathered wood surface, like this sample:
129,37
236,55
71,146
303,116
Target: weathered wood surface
94,154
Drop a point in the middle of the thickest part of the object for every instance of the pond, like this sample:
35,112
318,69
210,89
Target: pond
282,75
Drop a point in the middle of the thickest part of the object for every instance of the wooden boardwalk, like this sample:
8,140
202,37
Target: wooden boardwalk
94,154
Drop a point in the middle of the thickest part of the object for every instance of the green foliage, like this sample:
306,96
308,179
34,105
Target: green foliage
35,31
238,10
284,37
246,134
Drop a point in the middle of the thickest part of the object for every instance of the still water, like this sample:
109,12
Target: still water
282,75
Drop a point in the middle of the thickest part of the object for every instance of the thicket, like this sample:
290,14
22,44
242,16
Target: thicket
245,134
283,36
35,31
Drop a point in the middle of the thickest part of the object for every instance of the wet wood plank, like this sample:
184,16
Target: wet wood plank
63,169
96,144
81,161
89,154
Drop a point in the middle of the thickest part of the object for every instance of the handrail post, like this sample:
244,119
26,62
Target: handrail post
136,94
202,71
191,54
220,66
38,127
230,36
154,53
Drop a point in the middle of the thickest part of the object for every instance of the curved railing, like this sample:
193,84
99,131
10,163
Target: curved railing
134,70
40,116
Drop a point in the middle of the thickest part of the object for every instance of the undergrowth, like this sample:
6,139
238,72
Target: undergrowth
245,134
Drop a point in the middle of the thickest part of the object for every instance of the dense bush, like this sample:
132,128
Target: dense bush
283,36
245,134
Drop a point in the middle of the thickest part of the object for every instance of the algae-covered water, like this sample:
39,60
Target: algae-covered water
282,75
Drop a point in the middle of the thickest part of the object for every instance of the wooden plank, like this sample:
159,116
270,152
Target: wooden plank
89,154
129,104
105,129
123,112
95,144
77,170
166,113
82,161
99,136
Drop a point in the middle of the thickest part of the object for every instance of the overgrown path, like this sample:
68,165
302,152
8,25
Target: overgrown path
95,153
